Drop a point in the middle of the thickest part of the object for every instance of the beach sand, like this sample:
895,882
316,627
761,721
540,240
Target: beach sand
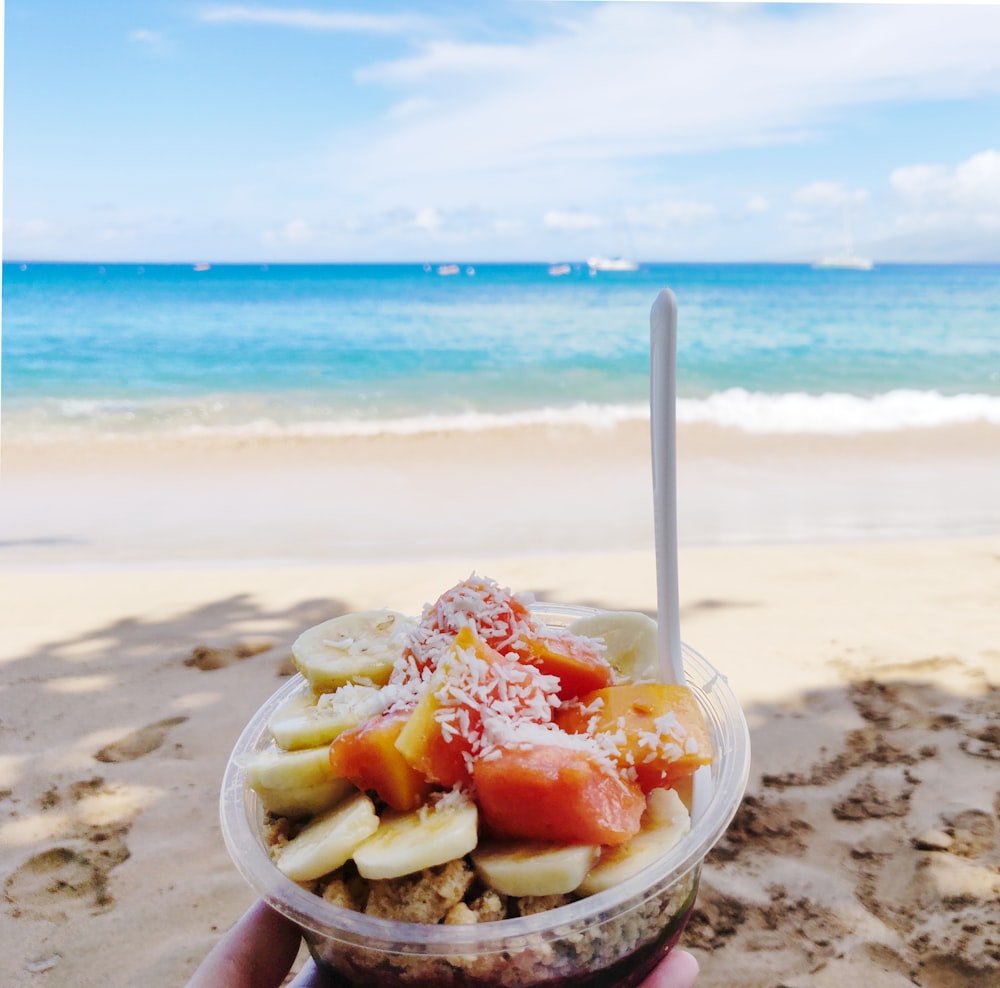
849,588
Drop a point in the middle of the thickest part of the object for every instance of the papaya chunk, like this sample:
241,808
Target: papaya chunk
573,660
472,685
367,755
658,729
555,793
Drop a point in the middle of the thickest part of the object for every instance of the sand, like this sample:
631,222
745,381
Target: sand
519,491
149,595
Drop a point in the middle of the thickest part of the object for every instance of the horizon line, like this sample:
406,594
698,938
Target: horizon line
208,264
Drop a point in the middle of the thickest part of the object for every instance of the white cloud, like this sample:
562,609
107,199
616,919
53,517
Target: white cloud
756,204
30,229
978,179
439,58
297,230
974,183
918,183
409,107
586,103
936,195
428,219
312,20
555,219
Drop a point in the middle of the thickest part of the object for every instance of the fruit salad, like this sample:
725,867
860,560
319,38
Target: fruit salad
474,764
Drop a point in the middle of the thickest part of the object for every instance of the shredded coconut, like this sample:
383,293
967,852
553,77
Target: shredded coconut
446,801
488,695
342,643
361,701
498,615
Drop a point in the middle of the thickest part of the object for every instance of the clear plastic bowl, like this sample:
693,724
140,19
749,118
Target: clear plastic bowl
614,938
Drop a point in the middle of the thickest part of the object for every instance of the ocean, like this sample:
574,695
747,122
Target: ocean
104,351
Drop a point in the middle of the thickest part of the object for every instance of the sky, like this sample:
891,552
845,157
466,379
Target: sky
190,130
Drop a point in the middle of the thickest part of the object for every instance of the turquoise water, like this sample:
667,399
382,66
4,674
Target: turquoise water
344,349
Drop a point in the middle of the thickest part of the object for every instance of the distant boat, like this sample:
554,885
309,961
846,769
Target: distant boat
845,262
611,264
622,260
448,269
559,269
203,267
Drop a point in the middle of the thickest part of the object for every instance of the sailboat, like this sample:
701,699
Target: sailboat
616,262
611,264
847,260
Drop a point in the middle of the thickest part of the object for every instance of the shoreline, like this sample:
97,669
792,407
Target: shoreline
233,418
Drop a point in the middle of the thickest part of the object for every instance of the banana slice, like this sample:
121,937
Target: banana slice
274,769
409,842
329,840
664,823
304,801
534,868
303,721
359,647
629,638
295,783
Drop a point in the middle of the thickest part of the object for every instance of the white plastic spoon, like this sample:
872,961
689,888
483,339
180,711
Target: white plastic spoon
663,432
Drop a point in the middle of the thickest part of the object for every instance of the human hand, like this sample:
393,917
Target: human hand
677,970
258,952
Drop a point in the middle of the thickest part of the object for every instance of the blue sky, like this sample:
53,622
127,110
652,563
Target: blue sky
319,131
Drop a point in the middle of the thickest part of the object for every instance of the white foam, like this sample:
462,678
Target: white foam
754,412
590,415
832,413
79,408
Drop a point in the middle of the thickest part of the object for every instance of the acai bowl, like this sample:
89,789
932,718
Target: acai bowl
609,930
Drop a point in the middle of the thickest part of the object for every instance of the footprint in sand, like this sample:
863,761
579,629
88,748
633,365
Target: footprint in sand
207,658
770,825
983,742
973,833
814,929
71,878
138,743
873,798
716,918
